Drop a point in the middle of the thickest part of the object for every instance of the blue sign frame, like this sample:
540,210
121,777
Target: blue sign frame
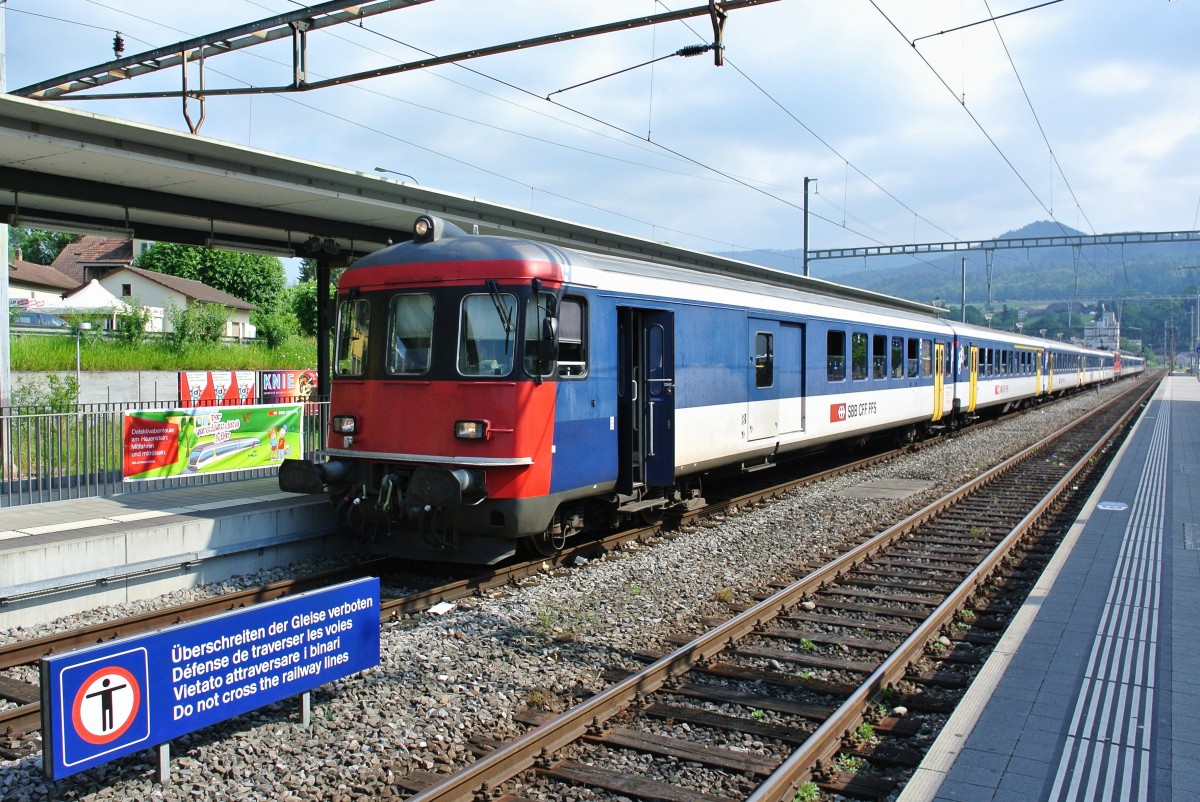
126,695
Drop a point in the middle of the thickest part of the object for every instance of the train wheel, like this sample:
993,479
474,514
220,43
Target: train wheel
548,544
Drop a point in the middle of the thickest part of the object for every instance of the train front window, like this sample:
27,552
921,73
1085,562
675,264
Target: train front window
410,334
353,326
539,334
487,334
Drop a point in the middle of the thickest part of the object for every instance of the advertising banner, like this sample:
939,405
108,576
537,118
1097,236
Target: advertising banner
220,387
103,702
158,443
284,386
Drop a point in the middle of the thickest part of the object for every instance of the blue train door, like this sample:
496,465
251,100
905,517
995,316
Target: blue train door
646,396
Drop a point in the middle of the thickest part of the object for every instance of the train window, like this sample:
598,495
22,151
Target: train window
354,323
764,359
897,357
858,356
486,334
879,356
572,338
410,335
835,355
539,348
926,358
914,358
947,358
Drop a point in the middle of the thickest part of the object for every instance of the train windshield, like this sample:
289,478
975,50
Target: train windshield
410,334
354,322
540,317
486,334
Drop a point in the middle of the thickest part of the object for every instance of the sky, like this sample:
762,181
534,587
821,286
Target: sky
1086,112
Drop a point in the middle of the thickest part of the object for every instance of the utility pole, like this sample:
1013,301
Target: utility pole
964,289
804,243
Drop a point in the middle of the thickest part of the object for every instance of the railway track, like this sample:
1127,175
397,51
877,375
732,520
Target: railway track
25,718
824,684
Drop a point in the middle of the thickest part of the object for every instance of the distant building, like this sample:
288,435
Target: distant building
1103,333
91,257
32,284
161,290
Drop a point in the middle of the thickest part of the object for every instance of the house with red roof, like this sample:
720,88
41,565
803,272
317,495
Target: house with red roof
109,260
29,282
159,290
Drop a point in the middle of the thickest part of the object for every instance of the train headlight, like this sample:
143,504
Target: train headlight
344,424
471,429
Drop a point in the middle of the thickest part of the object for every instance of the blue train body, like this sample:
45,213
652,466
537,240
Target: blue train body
489,390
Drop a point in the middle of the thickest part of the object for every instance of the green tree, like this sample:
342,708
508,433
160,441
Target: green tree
39,247
308,271
254,278
304,305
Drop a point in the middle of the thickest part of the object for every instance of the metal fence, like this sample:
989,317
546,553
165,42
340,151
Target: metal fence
53,454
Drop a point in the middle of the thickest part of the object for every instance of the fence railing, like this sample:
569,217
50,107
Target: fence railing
56,454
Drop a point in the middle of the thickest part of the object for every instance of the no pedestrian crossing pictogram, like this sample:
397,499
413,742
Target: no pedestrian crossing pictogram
103,707
106,704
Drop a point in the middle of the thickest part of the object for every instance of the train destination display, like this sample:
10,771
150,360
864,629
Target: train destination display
134,693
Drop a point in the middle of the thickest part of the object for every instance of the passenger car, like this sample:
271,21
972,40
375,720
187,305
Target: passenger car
40,320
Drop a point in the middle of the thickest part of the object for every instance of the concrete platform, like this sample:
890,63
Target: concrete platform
61,557
1094,691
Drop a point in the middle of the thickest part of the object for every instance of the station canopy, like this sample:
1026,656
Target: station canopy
67,170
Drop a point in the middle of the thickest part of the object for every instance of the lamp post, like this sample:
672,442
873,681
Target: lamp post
79,329
393,172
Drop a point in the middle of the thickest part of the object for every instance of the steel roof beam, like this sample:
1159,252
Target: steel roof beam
269,29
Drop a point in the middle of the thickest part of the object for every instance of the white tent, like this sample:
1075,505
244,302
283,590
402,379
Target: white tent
93,299
90,298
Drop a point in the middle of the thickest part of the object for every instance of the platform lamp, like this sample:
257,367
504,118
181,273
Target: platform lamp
393,172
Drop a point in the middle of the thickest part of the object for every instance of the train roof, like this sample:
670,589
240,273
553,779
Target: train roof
459,247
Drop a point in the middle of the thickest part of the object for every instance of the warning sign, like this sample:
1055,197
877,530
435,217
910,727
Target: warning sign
123,696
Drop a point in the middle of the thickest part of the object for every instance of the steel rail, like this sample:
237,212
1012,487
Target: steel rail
522,753
826,740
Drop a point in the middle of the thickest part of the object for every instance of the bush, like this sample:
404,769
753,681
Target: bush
197,323
274,327
59,394
132,322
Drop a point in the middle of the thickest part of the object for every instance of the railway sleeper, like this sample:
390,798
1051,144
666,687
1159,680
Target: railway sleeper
576,773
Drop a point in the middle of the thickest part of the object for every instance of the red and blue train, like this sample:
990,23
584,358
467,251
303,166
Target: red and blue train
489,391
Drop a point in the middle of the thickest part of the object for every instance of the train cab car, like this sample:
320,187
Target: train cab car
490,392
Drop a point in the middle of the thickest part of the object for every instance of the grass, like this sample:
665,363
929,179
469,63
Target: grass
57,353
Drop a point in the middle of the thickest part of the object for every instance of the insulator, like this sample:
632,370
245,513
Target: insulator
693,50
118,44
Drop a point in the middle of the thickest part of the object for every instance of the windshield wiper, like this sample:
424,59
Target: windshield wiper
504,314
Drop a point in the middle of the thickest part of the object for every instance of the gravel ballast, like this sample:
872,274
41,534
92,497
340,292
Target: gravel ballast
544,644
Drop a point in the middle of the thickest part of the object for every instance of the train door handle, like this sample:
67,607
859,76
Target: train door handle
650,416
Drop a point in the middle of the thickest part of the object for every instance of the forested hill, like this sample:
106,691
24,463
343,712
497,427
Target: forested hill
1019,275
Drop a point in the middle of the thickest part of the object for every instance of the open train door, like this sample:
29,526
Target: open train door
646,399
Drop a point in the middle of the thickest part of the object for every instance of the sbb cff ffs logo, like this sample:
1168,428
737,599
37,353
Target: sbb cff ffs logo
840,413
